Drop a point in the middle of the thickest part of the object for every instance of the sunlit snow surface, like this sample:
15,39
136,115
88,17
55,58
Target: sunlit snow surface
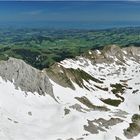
27,116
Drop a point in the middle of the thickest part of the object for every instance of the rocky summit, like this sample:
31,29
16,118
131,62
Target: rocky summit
97,96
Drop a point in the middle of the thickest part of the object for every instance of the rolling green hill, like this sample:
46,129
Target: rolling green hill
43,47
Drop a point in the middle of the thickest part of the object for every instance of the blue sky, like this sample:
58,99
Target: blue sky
70,14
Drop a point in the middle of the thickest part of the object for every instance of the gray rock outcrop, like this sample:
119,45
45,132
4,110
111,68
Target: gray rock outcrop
25,77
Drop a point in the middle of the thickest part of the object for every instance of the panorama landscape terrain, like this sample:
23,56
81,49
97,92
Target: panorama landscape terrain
70,83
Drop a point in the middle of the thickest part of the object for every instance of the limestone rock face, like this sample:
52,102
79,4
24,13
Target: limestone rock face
25,77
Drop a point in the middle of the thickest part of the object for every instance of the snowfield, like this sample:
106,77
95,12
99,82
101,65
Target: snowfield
78,114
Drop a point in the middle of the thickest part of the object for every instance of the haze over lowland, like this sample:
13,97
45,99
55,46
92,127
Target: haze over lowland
70,14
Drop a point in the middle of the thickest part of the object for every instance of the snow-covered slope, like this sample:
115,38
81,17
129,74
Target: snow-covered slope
96,96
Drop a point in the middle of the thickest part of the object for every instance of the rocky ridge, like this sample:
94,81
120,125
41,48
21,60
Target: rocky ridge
25,77
63,75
